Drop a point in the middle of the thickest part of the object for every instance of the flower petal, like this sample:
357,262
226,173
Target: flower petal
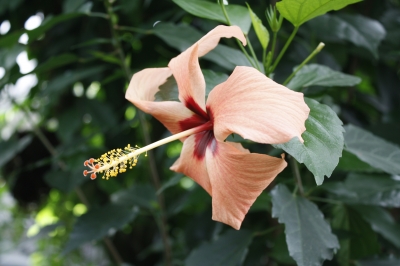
257,108
186,68
191,166
237,178
142,88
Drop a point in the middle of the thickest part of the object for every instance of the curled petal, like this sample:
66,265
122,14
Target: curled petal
186,68
237,178
191,166
141,91
211,39
257,108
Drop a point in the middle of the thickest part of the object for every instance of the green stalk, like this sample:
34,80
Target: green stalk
253,54
237,41
316,51
272,54
296,174
264,58
284,49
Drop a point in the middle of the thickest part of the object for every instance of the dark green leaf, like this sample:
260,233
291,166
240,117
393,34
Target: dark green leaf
141,195
183,36
359,30
350,162
308,235
379,262
49,23
356,238
259,28
98,223
238,15
379,190
106,57
323,141
229,250
65,181
372,149
169,90
319,75
9,148
170,183
300,11
56,61
381,222
11,39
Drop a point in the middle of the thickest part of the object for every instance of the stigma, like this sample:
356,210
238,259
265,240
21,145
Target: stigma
112,163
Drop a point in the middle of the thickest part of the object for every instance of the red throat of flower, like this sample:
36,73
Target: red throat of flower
204,139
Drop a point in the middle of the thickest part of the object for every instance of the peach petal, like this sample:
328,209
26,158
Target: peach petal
257,108
186,69
192,167
237,178
141,91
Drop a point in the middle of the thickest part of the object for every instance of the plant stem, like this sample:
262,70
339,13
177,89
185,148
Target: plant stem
316,51
237,41
50,148
325,200
284,49
296,174
146,135
267,70
132,29
253,54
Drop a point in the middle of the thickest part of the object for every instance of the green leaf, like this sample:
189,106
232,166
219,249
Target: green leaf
381,222
380,262
64,181
308,235
373,150
141,195
261,31
169,90
359,30
238,15
49,23
379,190
183,36
106,58
323,141
54,62
229,249
11,39
350,162
300,11
356,238
98,223
170,183
319,75
9,148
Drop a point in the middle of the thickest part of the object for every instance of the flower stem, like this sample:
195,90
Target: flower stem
296,174
221,2
316,51
270,58
278,59
252,53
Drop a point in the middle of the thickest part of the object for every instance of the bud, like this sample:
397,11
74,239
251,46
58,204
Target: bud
274,22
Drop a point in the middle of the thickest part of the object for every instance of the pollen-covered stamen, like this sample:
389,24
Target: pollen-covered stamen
112,163
117,161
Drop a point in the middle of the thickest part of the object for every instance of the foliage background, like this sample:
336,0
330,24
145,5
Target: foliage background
62,102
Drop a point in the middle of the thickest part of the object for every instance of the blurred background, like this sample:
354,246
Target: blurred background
64,69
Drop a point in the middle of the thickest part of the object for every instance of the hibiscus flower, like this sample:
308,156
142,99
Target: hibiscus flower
247,103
